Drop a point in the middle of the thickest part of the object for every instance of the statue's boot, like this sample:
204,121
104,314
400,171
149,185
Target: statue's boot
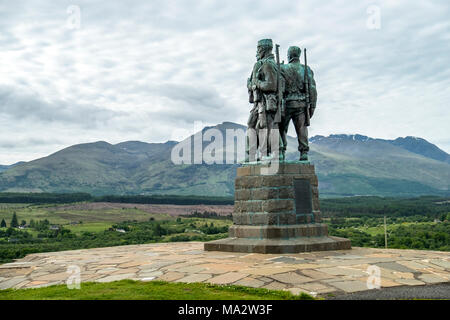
304,156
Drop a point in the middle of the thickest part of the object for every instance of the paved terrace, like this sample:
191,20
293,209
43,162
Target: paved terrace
318,273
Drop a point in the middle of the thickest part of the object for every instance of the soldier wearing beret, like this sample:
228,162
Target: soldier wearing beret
262,87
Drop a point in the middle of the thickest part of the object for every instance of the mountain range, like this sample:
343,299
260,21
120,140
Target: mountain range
346,165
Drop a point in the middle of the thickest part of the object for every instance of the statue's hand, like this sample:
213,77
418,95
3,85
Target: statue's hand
254,87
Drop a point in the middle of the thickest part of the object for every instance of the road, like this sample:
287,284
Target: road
435,291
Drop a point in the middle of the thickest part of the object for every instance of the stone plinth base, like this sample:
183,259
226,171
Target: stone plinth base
276,210
295,245
279,232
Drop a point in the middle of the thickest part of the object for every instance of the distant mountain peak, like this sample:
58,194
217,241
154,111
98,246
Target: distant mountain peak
101,143
354,137
412,138
421,146
412,144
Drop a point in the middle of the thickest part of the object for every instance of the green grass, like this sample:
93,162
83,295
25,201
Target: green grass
65,216
89,227
153,290
373,231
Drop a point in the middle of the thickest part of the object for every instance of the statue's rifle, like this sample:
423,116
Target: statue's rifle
307,83
280,105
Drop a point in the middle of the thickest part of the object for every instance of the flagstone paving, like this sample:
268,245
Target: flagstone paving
317,273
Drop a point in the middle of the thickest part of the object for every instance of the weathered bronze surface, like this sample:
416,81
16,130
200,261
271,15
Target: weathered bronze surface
300,89
262,86
269,83
277,210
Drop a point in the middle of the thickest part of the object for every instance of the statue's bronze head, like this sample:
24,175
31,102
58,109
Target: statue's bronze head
294,53
265,47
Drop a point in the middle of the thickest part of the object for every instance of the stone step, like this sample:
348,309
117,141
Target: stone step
279,232
304,244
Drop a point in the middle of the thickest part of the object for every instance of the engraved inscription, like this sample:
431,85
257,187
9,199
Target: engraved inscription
303,198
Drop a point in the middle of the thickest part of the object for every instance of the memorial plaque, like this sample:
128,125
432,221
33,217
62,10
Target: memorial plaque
303,198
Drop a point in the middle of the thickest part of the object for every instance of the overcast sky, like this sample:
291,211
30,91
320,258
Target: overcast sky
135,70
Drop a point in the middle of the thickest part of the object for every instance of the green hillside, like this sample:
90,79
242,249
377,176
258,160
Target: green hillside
346,165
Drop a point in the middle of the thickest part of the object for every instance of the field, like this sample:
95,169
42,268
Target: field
154,290
88,225
105,211
99,216
415,223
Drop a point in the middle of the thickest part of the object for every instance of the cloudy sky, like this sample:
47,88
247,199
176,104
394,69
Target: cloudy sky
135,70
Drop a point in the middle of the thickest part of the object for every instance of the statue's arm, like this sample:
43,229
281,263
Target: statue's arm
249,82
270,82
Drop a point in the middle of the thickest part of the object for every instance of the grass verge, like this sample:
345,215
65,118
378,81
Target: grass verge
152,290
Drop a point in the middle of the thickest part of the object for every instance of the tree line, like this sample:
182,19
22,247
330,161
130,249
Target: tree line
59,198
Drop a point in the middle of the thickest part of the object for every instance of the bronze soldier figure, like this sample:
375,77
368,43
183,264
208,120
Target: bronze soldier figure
262,87
296,96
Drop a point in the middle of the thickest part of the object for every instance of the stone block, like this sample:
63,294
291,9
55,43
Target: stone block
300,218
287,218
264,218
315,204
241,218
283,168
237,218
317,216
276,181
242,194
315,190
253,182
290,169
248,182
264,194
237,206
277,205
245,232
309,218
252,206
243,171
286,193
279,231
278,245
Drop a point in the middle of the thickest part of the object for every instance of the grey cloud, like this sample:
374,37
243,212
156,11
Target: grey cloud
190,103
27,142
204,96
25,105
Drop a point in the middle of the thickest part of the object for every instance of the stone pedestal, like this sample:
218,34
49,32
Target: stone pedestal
276,210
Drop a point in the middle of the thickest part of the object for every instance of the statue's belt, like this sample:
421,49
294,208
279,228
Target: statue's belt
298,104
